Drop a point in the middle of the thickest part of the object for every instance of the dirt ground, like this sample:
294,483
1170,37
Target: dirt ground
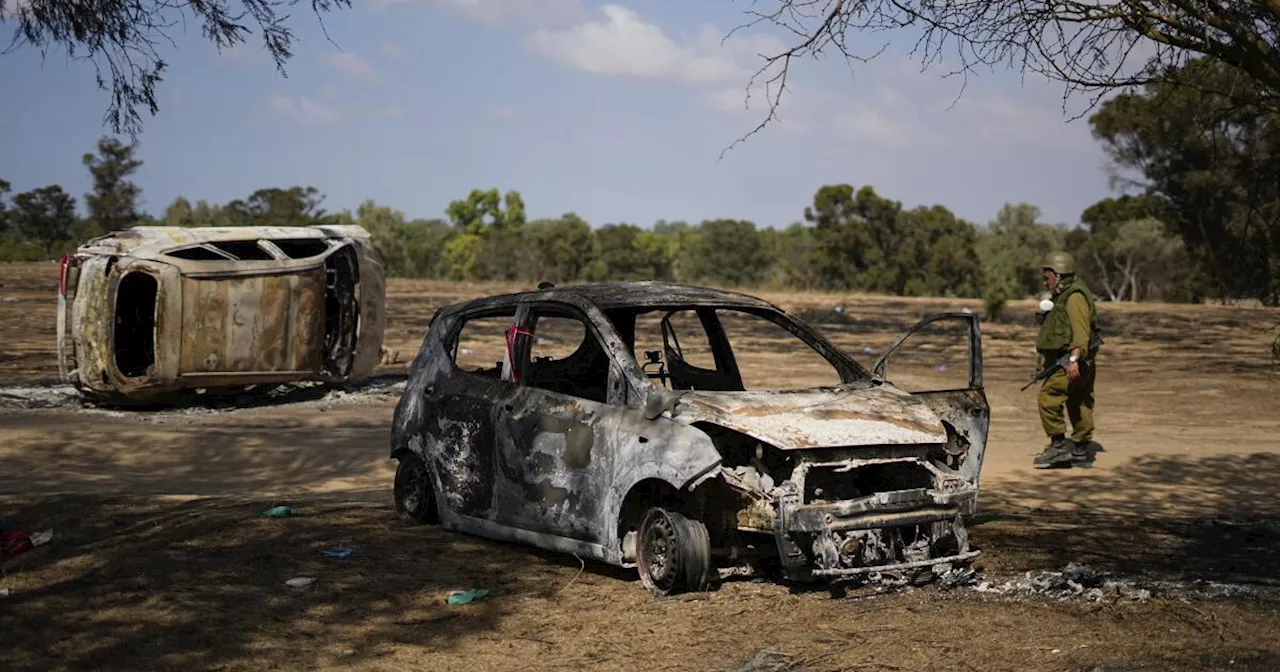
162,558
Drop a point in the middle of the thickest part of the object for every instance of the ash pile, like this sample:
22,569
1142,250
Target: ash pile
1071,582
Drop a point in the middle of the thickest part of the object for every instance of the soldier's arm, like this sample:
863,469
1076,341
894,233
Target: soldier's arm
1078,316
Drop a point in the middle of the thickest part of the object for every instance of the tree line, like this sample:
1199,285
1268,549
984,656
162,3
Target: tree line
1204,222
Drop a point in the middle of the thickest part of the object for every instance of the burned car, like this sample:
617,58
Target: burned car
530,418
153,311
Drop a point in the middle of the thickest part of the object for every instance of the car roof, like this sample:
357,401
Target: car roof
643,294
152,241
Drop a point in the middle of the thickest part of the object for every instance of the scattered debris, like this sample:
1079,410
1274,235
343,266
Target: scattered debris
465,596
389,386
1073,581
949,577
5,592
835,316
771,660
279,512
338,552
41,538
51,396
14,543
300,582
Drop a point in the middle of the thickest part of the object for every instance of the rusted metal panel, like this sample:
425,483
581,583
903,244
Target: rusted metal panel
256,323
217,322
373,313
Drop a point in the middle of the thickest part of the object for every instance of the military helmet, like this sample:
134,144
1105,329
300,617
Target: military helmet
1060,263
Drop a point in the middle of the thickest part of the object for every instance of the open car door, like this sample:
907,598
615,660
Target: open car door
942,365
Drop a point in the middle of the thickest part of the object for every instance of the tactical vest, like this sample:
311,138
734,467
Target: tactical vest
1055,333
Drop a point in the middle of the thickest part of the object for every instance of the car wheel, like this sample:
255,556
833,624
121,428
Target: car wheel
415,498
673,553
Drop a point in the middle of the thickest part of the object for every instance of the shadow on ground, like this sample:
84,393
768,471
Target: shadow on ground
153,583
259,454
1175,517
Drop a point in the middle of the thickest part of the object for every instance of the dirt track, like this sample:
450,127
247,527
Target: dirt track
165,562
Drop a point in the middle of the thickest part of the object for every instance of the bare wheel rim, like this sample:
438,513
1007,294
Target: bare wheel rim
660,553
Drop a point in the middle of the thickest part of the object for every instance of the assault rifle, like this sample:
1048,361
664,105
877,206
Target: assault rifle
1095,342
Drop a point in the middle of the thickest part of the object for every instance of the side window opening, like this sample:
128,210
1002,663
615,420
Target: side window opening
198,253
135,324
301,248
690,340
244,250
481,346
566,357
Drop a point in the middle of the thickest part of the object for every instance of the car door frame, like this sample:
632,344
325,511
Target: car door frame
965,412
565,496
464,403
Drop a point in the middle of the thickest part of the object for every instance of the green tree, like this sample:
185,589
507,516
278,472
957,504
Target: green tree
178,213
113,203
490,227
207,214
462,255
659,251
1019,241
727,252
620,258
937,254
792,251
425,240
557,250
1010,250
5,188
295,206
386,228
482,211
1210,163
847,255
121,38
46,215
627,252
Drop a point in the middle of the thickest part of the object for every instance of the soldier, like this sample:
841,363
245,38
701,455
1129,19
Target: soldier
1069,327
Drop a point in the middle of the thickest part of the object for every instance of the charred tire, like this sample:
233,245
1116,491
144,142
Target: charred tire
415,498
673,553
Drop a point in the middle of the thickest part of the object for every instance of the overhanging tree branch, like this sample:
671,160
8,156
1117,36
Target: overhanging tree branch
1088,46
120,39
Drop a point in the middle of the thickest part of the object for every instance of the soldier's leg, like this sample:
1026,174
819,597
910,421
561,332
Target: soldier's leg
1053,394
1080,406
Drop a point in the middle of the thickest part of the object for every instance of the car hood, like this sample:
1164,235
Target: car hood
822,418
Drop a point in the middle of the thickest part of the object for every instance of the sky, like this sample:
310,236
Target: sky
616,111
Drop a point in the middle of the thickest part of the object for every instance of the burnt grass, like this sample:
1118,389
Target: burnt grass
147,583
137,578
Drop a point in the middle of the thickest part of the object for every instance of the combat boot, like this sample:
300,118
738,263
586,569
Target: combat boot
1082,454
1059,452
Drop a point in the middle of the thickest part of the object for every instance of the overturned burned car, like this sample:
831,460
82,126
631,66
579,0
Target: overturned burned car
151,312
528,417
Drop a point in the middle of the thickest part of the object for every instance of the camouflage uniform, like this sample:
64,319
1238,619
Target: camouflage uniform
1069,325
